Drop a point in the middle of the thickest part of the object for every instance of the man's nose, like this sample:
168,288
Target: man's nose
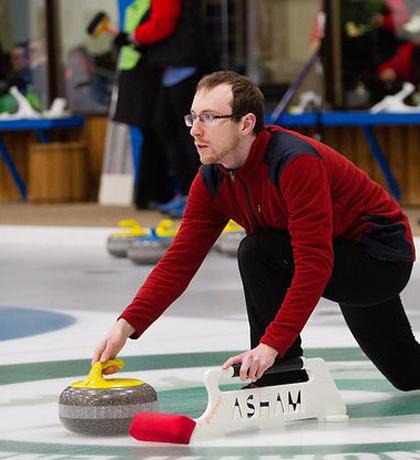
196,128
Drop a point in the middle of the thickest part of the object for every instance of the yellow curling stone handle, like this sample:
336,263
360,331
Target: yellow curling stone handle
95,378
232,226
166,228
133,229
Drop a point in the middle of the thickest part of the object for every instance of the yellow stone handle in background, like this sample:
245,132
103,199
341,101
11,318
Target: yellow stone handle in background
133,228
166,228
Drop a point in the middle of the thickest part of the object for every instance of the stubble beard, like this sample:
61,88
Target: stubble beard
227,152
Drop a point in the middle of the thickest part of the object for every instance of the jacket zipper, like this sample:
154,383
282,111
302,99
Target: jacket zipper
248,199
232,179
259,207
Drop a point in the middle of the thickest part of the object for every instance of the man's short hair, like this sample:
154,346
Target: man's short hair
247,97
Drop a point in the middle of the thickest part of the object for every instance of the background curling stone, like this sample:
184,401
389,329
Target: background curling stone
104,406
118,242
146,250
166,231
228,241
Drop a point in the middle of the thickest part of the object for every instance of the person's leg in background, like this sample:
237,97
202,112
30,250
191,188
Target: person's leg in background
164,129
153,184
137,93
181,96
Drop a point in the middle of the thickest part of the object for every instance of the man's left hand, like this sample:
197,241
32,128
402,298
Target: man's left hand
254,362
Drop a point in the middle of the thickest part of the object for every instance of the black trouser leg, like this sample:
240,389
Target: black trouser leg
384,334
152,182
266,273
165,130
366,289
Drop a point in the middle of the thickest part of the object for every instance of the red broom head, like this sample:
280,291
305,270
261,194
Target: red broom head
158,427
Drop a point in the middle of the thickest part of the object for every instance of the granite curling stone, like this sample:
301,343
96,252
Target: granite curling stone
118,242
98,406
228,242
149,249
146,250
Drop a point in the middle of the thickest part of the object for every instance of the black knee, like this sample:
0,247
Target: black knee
247,250
266,245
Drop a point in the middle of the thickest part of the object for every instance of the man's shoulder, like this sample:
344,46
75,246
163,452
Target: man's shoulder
283,147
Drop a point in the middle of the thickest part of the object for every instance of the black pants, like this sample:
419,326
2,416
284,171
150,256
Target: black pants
153,184
137,90
172,104
366,289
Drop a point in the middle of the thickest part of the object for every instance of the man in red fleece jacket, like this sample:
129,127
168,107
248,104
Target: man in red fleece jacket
316,226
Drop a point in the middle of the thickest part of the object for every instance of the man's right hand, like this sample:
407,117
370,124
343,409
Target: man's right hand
112,344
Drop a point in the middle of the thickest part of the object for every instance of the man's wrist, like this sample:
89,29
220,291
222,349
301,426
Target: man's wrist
126,328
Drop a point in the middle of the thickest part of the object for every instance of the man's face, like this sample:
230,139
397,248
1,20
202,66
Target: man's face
219,140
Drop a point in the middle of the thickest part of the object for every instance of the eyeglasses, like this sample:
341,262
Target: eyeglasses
206,118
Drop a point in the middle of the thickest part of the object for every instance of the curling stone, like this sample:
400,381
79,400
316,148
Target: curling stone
118,242
104,406
228,241
166,231
146,250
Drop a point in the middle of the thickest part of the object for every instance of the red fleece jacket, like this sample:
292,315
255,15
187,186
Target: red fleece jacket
291,182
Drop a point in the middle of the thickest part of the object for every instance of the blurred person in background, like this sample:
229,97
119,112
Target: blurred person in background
183,59
370,31
20,72
405,64
138,86
173,43
38,63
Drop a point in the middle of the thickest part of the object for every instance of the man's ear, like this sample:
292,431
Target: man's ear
248,123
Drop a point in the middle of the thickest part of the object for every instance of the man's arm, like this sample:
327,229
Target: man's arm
201,225
305,187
